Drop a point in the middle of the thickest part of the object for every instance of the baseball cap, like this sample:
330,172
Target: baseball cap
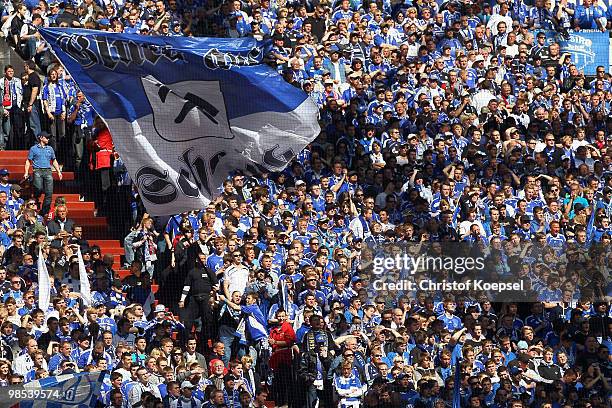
159,308
320,338
4,172
187,384
43,133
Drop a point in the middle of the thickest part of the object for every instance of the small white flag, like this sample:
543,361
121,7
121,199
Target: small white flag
84,279
44,284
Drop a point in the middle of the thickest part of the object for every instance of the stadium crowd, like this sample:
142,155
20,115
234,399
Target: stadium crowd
456,123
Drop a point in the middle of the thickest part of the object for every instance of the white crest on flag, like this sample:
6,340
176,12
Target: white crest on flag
188,110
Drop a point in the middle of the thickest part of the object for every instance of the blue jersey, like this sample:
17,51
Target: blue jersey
214,262
451,323
107,323
557,242
85,114
55,97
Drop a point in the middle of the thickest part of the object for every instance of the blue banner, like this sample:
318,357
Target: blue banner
588,48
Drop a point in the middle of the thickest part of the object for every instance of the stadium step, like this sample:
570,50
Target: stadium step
70,198
7,154
110,243
13,160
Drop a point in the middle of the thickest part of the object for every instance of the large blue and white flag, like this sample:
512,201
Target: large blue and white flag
185,112
69,390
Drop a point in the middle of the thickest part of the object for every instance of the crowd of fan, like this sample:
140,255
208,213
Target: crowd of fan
441,123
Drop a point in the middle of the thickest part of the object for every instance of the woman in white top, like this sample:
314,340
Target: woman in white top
376,156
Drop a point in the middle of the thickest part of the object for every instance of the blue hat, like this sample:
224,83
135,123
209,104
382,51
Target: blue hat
4,172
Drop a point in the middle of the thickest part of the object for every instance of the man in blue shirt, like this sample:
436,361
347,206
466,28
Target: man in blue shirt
42,158
588,16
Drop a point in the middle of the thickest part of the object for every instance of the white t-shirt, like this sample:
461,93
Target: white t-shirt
237,278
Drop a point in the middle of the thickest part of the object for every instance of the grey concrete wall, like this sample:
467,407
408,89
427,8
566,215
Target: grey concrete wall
8,56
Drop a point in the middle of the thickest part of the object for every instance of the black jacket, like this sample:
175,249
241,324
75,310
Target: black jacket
307,371
54,227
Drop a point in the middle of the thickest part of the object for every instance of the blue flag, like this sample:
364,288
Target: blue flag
186,112
75,390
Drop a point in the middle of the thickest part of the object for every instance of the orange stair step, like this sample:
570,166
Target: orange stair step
81,206
15,161
70,198
113,249
6,154
106,243
88,221
106,249
13,168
